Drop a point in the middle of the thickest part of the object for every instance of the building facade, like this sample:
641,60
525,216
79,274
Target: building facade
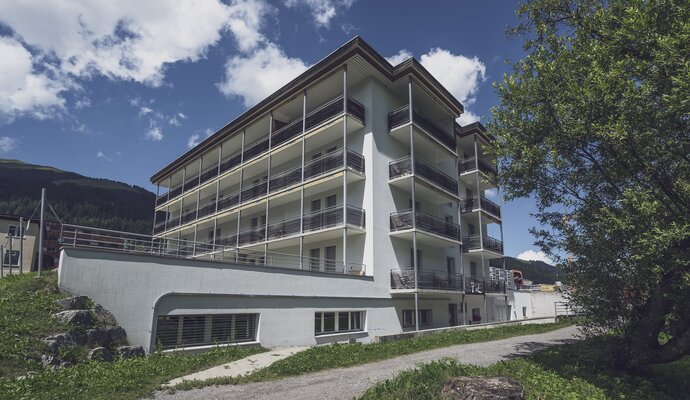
348,204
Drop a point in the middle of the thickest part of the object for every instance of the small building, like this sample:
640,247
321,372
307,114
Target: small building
13,244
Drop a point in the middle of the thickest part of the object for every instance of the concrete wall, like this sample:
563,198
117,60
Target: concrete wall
137,288
543,303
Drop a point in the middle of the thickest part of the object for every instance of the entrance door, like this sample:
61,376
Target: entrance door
452,314
329,262
315,259
316,219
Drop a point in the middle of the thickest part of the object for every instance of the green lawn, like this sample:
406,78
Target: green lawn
575,371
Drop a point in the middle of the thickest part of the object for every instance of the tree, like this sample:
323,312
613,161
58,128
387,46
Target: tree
594,123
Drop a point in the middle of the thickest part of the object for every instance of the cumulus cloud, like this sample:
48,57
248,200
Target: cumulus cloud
531,255
459,74
126,40
467,118
23,90
181,115
101,155
82,103
7,144
145,110
154,133
322,11
193,140
398,58
255,76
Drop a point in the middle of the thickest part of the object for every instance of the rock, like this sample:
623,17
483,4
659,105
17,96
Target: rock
49,361
66,364
78,337
74,303
57,342
100,354
131,351
482,388
102,316
98,337
75,317
117,335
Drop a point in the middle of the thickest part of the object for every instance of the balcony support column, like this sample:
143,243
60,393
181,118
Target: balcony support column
463,306
268,180
415,267
237,231
345,166
179,219
214,238
196,230
220,158
167,217
167,196
301,192
201,167
184,178
486,315
155,212
198,200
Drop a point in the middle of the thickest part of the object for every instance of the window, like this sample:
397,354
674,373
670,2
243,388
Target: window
199,330
315,259
13,257
424,317
476,315
524,312
340,321
12,231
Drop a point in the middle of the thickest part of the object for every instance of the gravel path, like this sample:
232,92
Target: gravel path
346,383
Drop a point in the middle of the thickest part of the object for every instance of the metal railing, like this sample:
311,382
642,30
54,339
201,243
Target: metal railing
401,116
312,169
134,243
403,166
474,242
469,204
427,279
566,309
425,222
471,164
329,110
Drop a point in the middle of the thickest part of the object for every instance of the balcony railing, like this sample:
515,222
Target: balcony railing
481,286
260,146
469,204
427,279
159,227
403,167
471,164
474,242
133,243
228,201
425,222
401,116
188,216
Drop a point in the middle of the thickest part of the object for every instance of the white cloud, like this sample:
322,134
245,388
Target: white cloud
82,103
193,140
7,144
126,40
459,74
154,133
467,118
173,121
181,115
145,110
256,76
103,156
398,58
531,255
493,193
322,11
23,90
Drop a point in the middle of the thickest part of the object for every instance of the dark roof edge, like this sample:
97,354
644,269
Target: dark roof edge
351,48
475,127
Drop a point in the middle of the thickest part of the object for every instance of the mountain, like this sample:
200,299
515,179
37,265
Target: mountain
536,271
76,199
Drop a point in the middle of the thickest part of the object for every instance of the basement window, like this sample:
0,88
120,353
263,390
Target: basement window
174,331
408,318
341,321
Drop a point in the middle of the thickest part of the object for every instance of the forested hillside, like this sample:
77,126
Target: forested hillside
76,199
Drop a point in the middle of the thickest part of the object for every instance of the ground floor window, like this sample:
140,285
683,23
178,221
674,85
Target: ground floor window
338,321
424,317
198,330
476,315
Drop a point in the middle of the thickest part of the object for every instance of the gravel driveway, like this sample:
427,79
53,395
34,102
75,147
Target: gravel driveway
346,383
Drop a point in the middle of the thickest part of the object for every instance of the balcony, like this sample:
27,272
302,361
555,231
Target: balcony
208,173
230,162
425,222
401,116
474,242
434,280
403,167
315,221
472,163
481,286
473,203
159,227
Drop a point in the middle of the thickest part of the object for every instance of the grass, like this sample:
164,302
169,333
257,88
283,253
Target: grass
346,355
26,303
575,371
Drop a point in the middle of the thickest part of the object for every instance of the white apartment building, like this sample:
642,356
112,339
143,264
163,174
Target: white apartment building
347,205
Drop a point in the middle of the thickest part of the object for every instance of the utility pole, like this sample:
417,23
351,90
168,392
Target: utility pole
2,261
21,245
40,233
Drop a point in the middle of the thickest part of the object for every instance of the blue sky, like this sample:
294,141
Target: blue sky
119,90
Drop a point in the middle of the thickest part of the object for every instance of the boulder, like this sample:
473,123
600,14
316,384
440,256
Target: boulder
49,361
97,337
75,317
117,335
131,351
100,354
482,388
78,337
102,316
66,364
74,303
57,342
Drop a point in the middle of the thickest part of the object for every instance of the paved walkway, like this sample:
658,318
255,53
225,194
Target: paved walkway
240,367
346,383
